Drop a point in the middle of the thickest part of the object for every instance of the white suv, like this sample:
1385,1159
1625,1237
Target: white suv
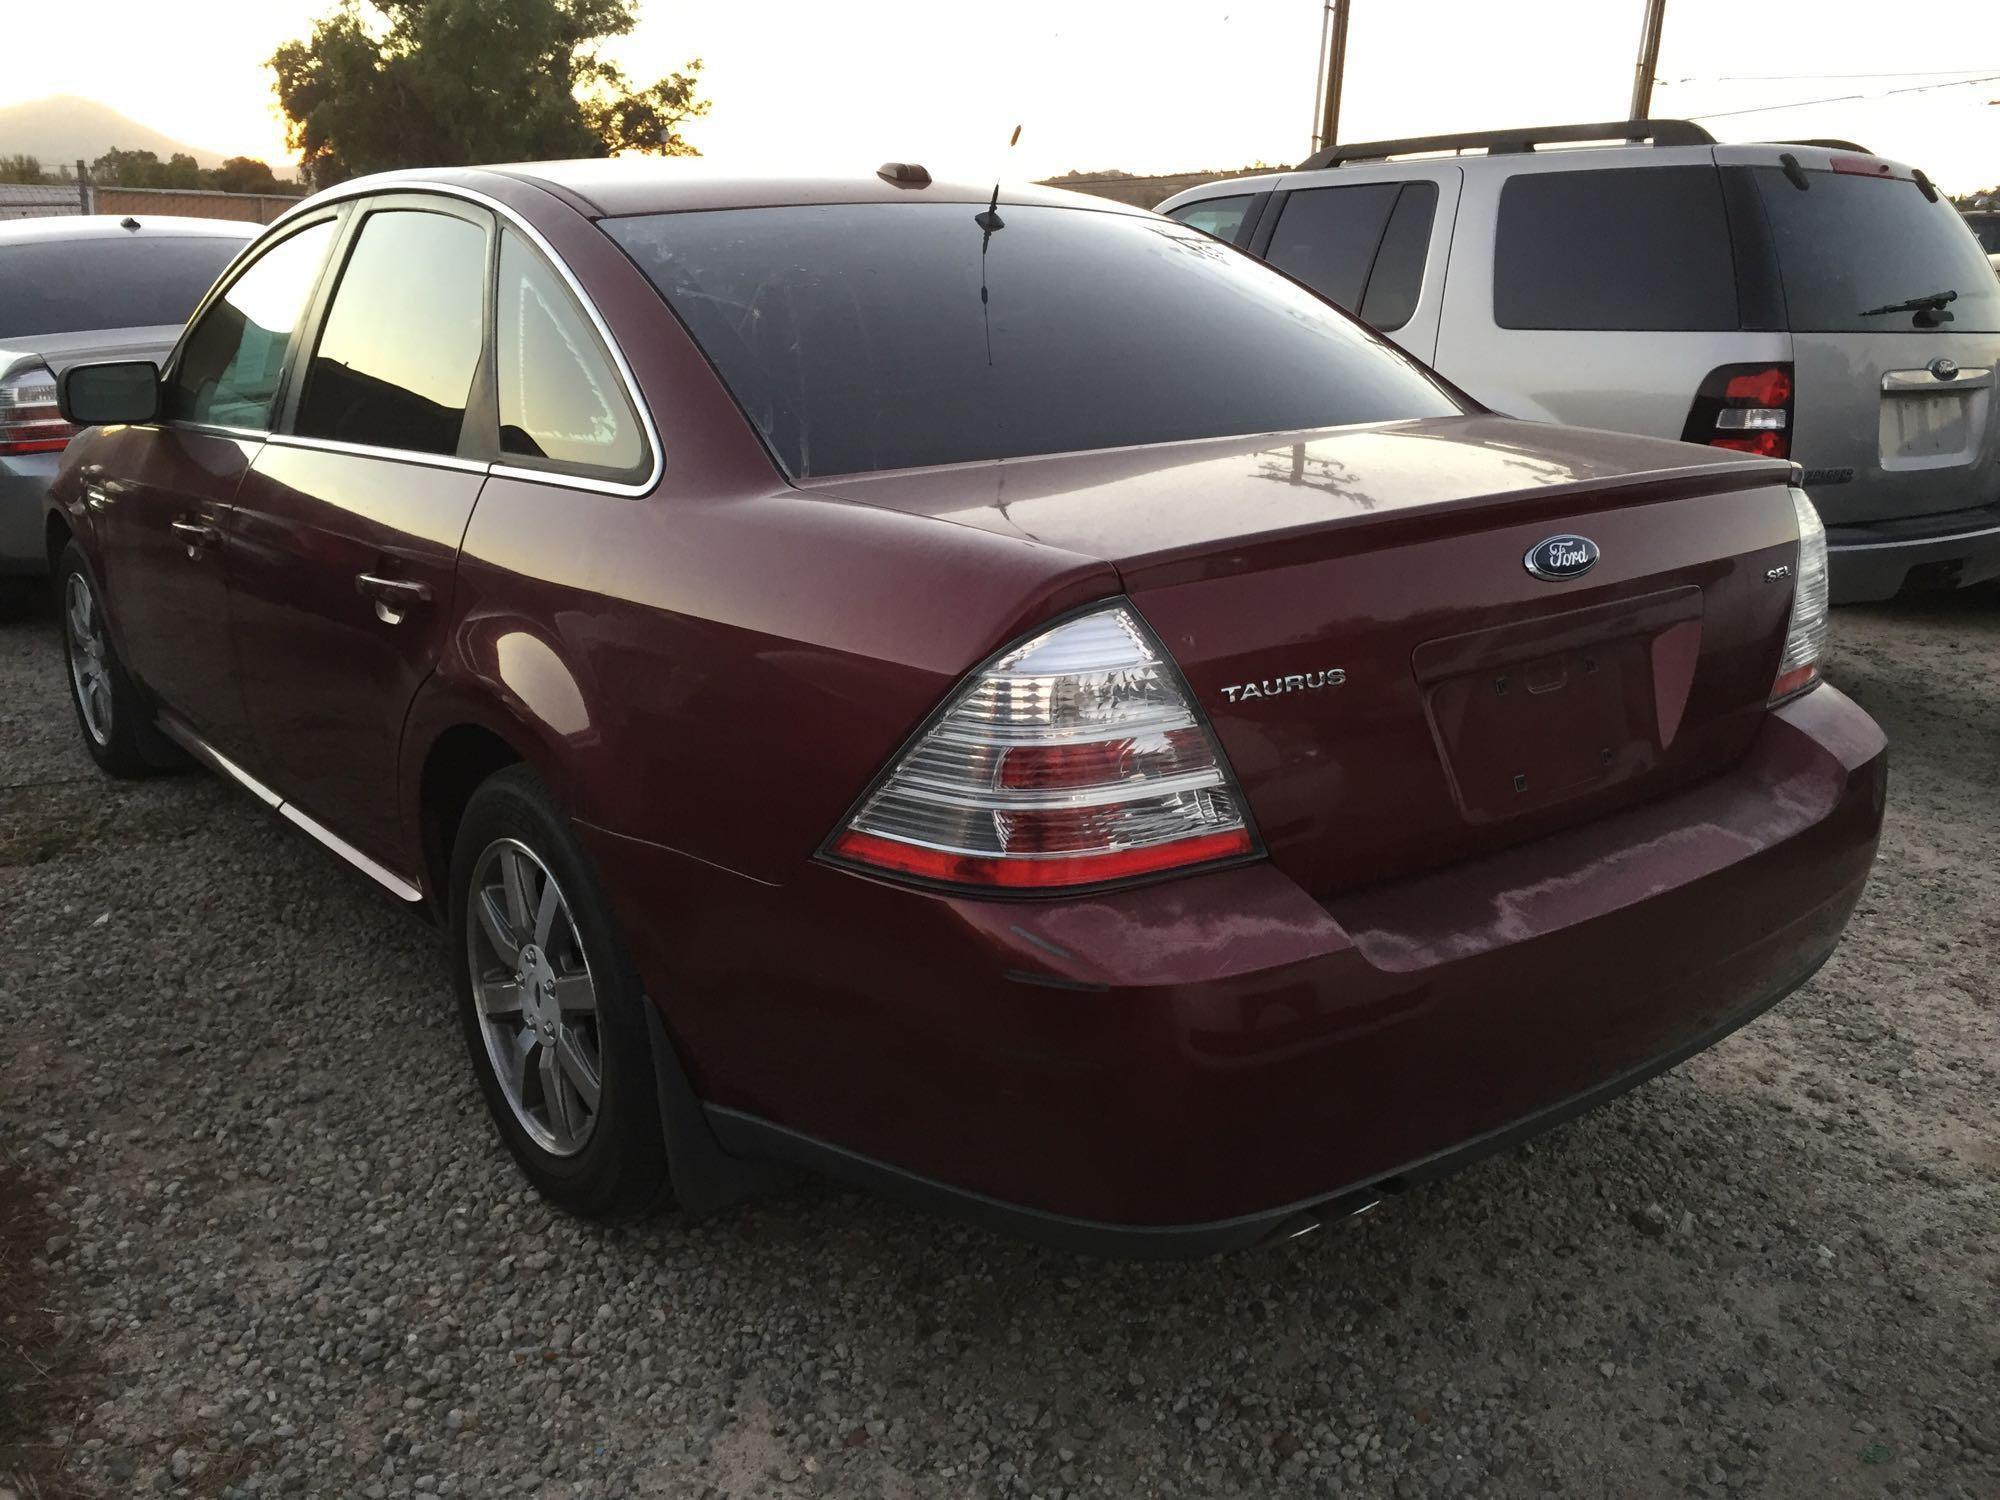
1803,300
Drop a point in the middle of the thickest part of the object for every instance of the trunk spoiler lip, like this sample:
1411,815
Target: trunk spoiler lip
992,494
1350,534
838,485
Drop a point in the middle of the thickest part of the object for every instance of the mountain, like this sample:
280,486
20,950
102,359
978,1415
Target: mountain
63,128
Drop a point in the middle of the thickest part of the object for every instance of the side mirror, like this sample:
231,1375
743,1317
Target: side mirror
93,395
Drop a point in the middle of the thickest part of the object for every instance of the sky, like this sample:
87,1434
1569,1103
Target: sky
1139,85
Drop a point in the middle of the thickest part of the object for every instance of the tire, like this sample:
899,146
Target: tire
582,1017
115,717
22,597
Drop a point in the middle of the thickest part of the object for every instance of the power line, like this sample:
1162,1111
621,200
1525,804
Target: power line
1800,77
1922,88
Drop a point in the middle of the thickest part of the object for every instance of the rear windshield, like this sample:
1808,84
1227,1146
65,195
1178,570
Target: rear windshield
886,336
1987,228
1849,243
70,286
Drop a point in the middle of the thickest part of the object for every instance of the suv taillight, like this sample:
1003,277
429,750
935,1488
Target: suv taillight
1744,407
1072,759
1805,634
29,421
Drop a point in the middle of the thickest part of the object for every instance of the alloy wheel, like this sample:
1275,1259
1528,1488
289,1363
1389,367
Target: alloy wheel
535,996
89,665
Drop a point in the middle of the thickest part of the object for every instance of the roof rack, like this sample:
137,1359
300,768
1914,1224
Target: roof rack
1506,142
1829,144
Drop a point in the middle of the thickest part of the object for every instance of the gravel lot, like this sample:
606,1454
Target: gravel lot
257,1236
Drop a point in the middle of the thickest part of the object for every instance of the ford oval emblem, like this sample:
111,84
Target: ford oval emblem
1562,557
1944,369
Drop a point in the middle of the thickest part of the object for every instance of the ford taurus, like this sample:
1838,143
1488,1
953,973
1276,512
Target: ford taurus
992,695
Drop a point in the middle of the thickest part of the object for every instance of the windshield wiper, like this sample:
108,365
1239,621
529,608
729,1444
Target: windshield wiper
1934,303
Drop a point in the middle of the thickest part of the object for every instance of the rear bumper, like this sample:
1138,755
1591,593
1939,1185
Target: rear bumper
1191,1066
24,486
1871,562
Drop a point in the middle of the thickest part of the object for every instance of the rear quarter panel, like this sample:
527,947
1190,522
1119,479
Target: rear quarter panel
722,674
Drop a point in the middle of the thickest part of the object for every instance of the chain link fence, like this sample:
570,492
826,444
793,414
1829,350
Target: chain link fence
29,200
79,195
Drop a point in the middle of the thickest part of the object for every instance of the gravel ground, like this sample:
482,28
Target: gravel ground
261,1238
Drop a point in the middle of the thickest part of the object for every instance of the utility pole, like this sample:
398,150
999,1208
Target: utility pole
1649,59
1335,52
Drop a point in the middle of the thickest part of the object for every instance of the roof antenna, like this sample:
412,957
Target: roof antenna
989,220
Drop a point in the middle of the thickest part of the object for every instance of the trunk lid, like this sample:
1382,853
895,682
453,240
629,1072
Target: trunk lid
1394,688
61,350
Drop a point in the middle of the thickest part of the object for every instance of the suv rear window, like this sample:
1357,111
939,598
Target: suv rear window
70,286
1849,243
887,336
1641,248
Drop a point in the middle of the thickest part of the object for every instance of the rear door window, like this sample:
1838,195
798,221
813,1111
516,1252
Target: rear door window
1397,278
1327,237
233,360
1221,217
403,337
1362,246
1640,248
72,286
1849,243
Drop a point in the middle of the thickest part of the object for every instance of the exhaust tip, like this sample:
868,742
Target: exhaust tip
1311,1220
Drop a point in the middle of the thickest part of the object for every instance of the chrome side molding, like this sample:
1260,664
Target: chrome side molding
223,766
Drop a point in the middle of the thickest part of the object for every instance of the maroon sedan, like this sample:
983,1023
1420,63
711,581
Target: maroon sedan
998,697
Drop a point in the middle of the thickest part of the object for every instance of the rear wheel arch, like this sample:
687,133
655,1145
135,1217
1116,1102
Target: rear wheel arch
458,761
56,535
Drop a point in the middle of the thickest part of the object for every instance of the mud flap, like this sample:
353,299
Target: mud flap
705,1178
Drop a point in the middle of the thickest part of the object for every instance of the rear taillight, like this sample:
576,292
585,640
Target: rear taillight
29,421
1805,635
1744,407
1072,759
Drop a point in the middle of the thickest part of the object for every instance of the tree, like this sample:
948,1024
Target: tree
400,83
20,169
119,168
179,171
243,174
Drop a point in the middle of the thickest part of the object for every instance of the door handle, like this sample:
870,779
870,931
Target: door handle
196,535
394,597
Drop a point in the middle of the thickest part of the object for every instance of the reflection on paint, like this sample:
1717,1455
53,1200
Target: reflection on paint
537,676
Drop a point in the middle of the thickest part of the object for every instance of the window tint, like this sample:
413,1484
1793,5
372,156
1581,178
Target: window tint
1221,217
1397,278
69,286
1849,243
403,336
1327,237
882,336
1628,247
233,359
560,397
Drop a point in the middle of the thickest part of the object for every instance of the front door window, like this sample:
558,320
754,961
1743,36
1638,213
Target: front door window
234,360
